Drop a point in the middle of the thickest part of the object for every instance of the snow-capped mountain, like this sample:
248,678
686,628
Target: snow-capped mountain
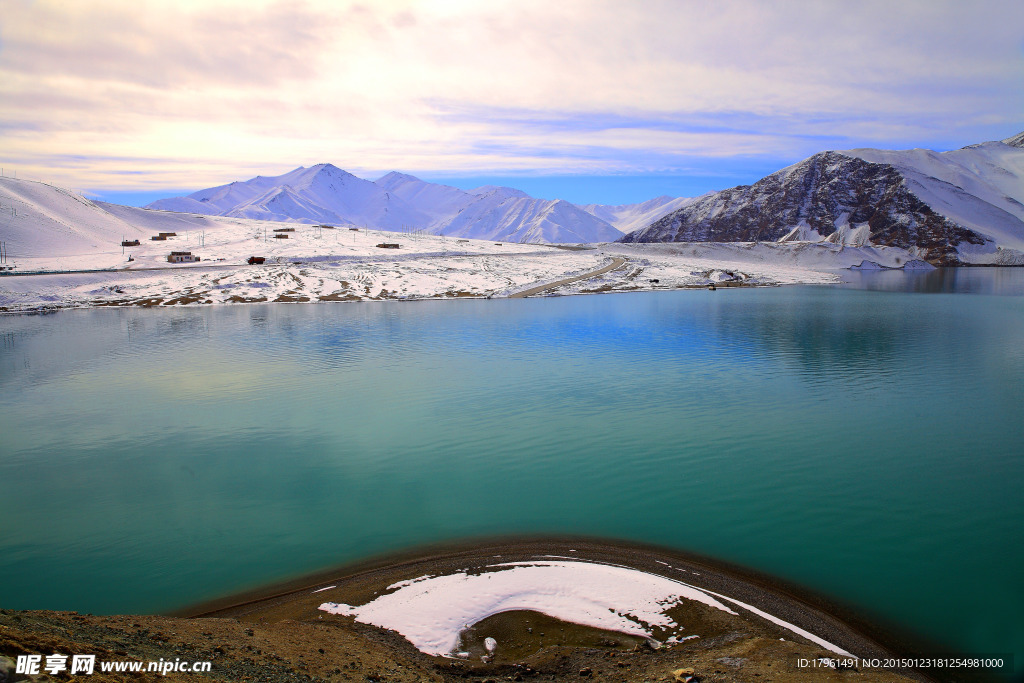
498,216
396,201
321,193
962,206
630,217
439,202
498,213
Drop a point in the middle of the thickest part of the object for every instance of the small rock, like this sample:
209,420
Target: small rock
7,668
586,672
684,675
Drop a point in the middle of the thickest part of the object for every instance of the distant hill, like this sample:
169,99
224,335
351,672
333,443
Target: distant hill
959,207
38,220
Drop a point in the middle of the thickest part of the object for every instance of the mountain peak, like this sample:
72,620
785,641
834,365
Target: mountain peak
394,179
1015,141
317,174
397,175
326,168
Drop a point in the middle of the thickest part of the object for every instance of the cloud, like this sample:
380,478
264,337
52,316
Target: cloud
163,45
580,85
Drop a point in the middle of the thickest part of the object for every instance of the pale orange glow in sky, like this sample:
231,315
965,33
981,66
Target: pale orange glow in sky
144,95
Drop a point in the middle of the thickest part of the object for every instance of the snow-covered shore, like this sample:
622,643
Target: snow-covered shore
422,268
64,251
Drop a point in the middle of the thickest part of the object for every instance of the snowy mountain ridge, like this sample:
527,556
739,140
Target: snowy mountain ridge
965,206
327,194
630,217
318,194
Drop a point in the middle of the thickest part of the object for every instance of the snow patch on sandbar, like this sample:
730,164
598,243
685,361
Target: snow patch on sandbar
432,611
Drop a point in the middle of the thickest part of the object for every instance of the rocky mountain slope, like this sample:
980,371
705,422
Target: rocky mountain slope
952,208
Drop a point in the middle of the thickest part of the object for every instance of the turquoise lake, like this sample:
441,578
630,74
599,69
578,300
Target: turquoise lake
864,441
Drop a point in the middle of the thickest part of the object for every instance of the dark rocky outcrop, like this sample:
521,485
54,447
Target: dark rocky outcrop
822,192
1015,141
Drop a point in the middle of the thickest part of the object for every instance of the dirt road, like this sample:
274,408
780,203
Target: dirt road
616,262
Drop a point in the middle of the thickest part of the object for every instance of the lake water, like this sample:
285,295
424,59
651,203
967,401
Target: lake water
863,441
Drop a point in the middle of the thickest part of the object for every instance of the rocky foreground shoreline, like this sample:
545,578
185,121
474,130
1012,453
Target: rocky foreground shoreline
279,635
303,652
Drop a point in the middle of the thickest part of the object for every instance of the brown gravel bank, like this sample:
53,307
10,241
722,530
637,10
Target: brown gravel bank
279,635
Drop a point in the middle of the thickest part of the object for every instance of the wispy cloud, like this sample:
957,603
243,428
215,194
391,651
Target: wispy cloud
195,93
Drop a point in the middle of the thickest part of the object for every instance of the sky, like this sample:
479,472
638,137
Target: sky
594,101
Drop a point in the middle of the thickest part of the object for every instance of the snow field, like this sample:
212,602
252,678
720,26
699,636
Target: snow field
432,611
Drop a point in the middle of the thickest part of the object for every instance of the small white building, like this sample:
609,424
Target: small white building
182,257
